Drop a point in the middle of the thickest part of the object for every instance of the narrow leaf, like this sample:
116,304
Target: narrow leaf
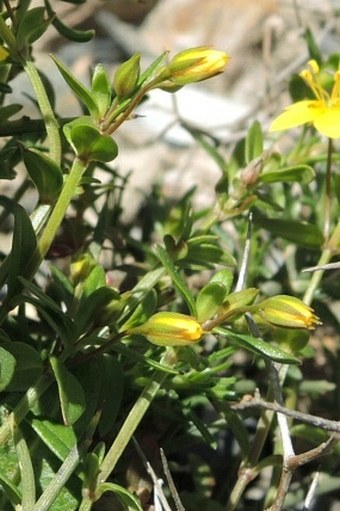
23,246
300,173
178,281
82,93
258,346
45,174
254,142
303,234
71,394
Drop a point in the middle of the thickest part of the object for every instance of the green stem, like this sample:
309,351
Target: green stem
51,123
132,421
328,191
57,215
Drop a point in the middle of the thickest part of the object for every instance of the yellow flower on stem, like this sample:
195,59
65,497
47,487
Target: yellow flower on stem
287,311
194,65
170,329
323,111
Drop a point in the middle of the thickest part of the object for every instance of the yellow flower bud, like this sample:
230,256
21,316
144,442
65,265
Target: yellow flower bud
3,53
287,311
170,329
81,267
126,77
195,64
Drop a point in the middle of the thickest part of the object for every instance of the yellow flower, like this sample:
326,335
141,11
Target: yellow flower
323,111
194,65
287,311
170,329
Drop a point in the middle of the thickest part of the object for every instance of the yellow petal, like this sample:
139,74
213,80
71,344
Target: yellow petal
297,114
328,122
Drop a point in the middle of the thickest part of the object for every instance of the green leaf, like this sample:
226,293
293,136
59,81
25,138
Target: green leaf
28,490
300,173
32,26
301,233
129,501
8,111
145,308
72,34
258,346
177,279
82,93
224,277
71,394
7,367
313,48
111,393
209,299
45,174
101,89
61,323
59,439
91,306
89,144
28,365
253,142
23,246
207,145
95,280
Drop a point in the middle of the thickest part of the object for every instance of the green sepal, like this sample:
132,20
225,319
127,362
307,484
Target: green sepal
149,71
45,174
101,89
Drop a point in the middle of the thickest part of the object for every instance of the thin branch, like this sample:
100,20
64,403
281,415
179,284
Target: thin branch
319,422
241,281
170,481
158,491
292,464
311,492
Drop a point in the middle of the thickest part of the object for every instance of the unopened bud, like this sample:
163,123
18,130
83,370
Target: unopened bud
126,77
3,53
287,311
170,329
195,64
81,267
